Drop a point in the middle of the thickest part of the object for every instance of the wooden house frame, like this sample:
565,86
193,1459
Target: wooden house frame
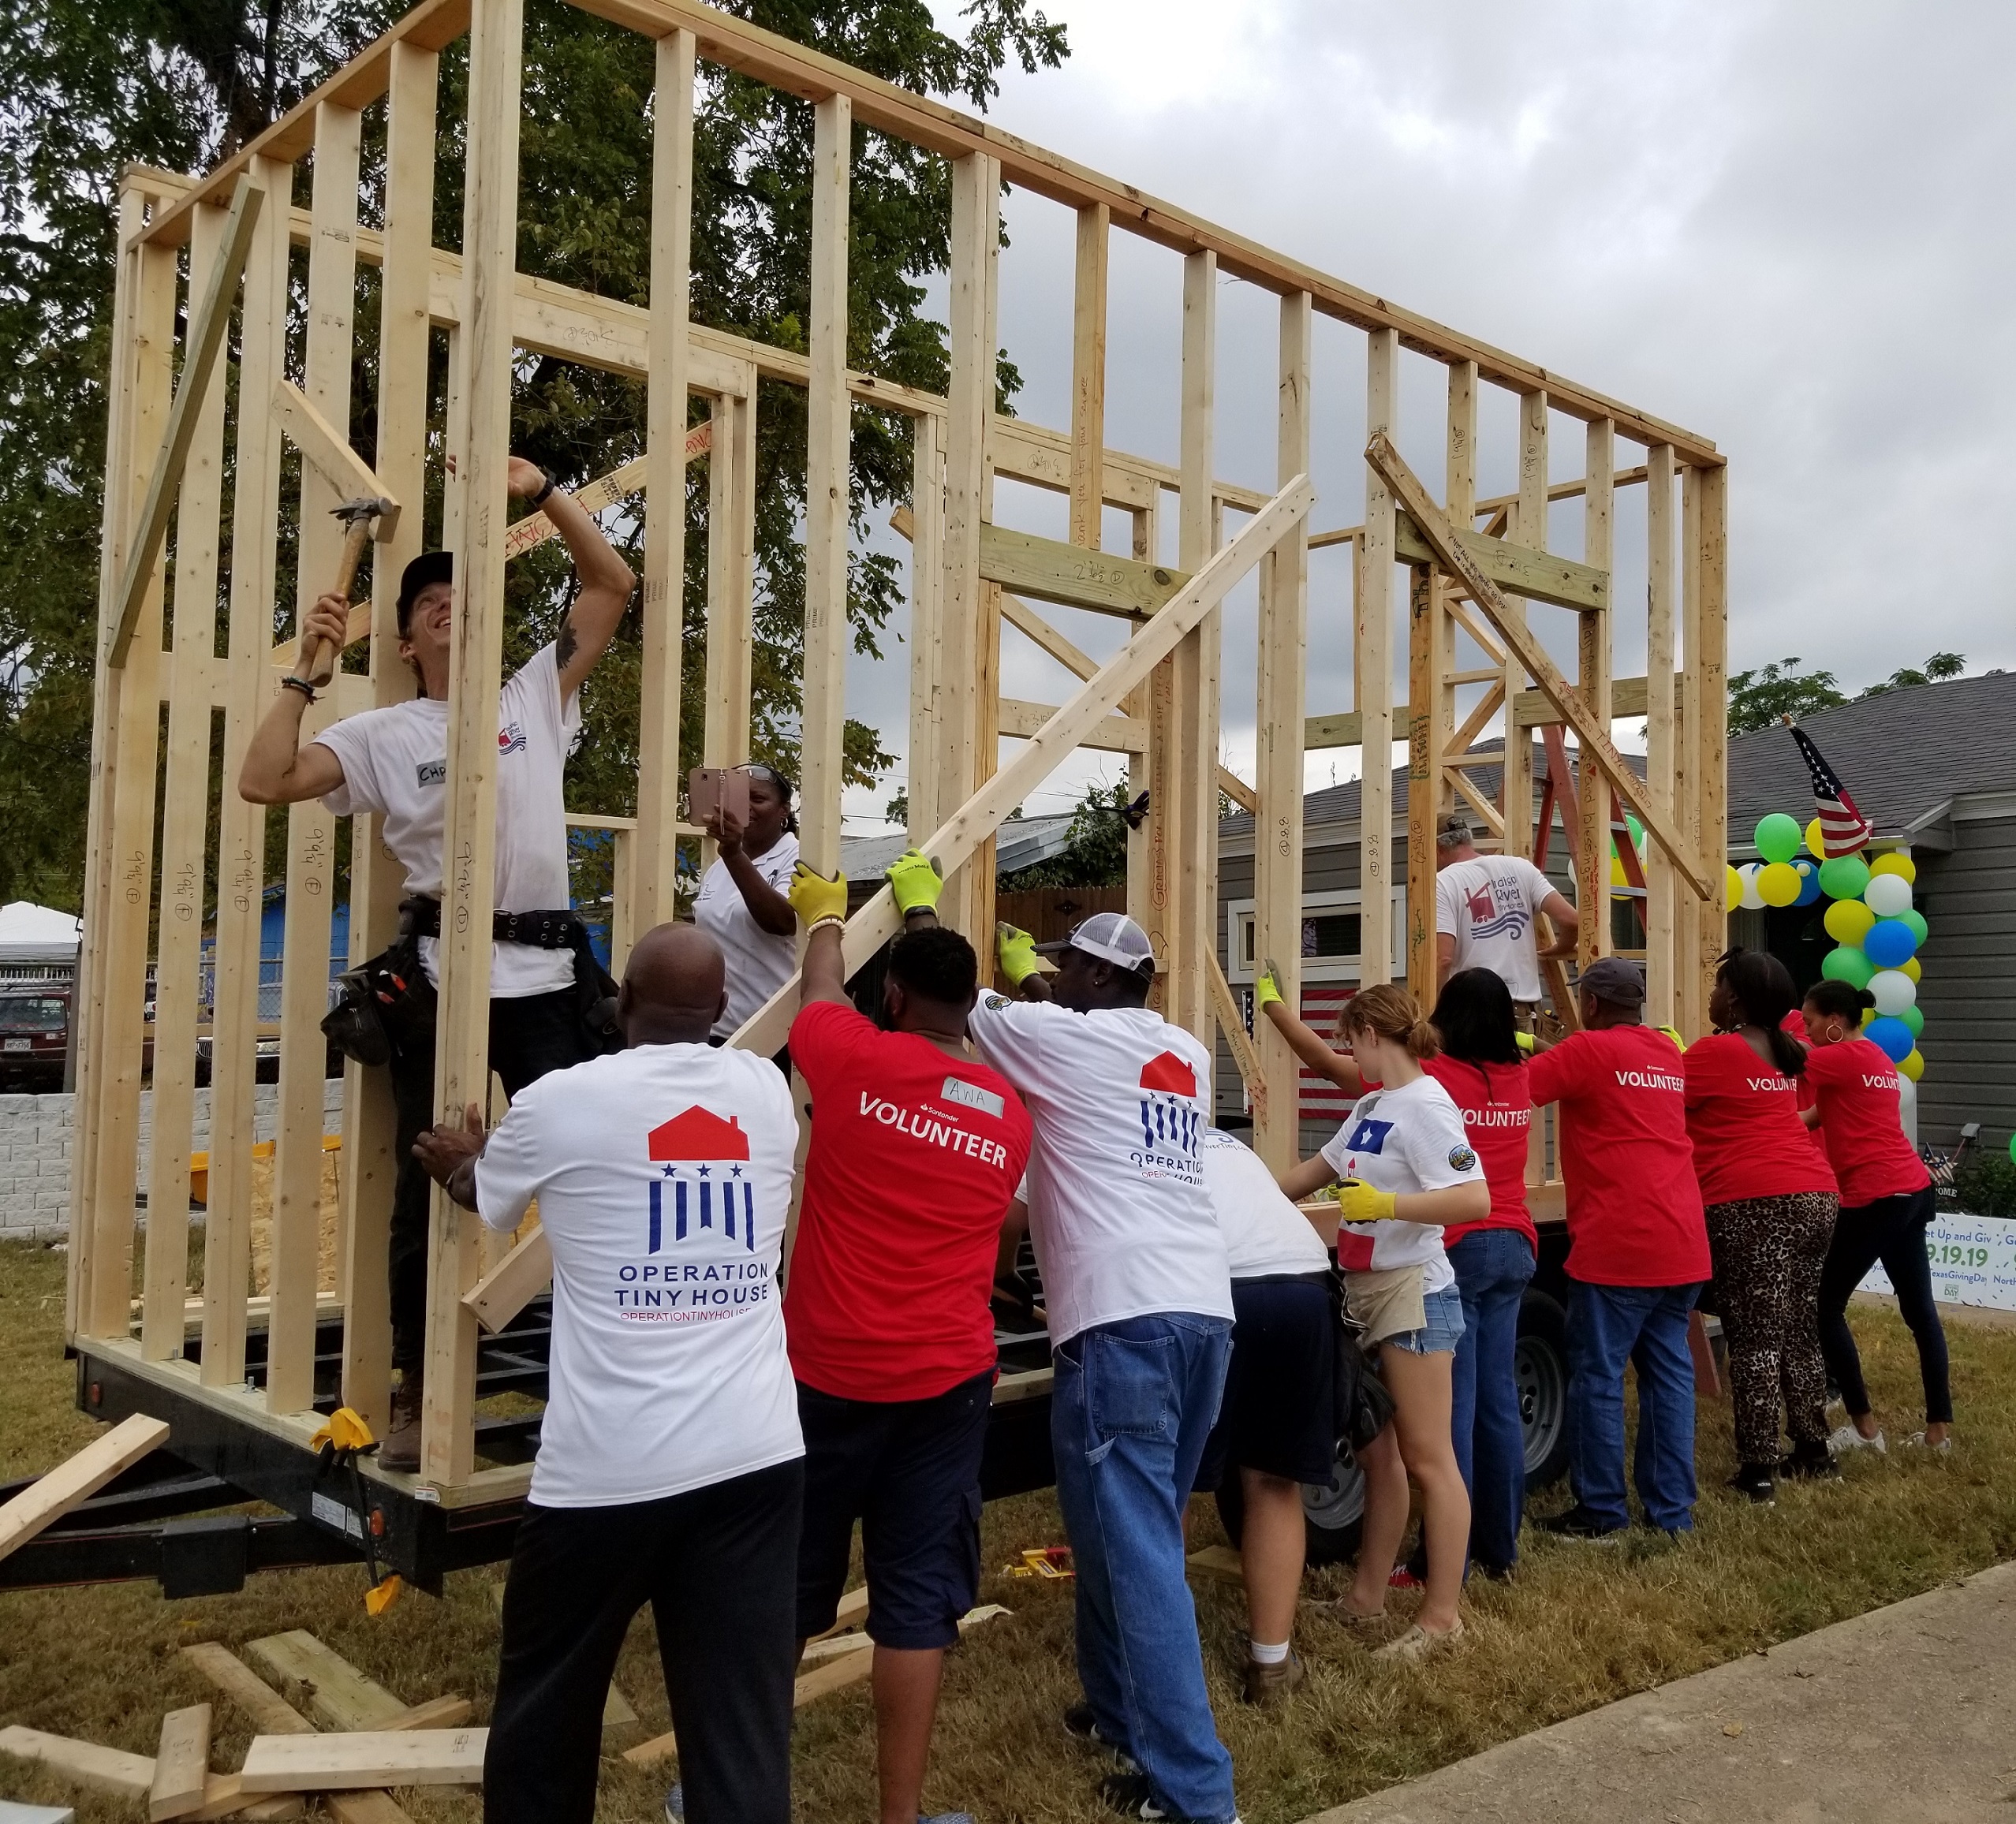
225,239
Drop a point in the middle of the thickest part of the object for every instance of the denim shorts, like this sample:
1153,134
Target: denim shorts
1438,1336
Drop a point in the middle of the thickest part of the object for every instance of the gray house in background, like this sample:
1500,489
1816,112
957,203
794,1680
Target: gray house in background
1934,769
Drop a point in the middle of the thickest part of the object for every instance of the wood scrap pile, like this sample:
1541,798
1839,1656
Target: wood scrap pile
355,1742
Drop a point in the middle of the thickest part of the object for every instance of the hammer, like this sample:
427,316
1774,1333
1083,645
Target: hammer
358,517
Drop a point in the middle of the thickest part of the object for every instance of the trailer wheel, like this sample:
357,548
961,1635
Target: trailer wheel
1333,1513
1540,1368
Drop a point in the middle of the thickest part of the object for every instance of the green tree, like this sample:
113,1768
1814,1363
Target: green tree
1094,852
1758,698
87,86
1937,669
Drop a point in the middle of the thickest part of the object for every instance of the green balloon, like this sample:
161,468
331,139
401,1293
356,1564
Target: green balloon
1913,1019
1845,963
1638,830
1844,877
1916,920
1779,836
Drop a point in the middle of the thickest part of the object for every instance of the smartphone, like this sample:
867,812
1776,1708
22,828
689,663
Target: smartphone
712,790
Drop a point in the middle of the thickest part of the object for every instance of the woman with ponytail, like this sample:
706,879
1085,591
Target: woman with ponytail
1885,1206
1769,1201
1406,1168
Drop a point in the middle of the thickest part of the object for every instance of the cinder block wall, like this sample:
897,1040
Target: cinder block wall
36,1150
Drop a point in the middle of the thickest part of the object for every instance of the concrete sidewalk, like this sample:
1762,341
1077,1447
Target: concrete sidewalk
1906,1712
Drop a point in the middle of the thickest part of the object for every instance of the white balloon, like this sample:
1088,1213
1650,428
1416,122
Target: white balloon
1893,991
1751,900
1887,894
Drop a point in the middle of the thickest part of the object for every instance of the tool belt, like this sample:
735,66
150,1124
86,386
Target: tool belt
420,917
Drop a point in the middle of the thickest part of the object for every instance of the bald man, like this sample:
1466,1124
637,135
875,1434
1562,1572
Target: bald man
671,1468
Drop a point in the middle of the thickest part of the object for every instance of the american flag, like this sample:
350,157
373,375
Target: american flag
1322,1101
1843,829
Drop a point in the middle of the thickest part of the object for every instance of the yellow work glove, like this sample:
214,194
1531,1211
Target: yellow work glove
1673,1033
915,880
1266,988
813,897
1524,1042
1015,952
1357,1202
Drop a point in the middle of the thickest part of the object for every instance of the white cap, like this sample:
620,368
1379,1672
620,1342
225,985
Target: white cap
1111,936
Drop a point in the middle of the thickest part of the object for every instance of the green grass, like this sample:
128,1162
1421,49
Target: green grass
1580,1626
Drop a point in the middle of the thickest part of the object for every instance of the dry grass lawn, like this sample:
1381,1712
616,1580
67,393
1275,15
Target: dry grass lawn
1580,1626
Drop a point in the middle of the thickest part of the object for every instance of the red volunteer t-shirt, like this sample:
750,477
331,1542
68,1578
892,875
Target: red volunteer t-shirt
1634,1210
1498,1117
1857,1087
1743,1118
914,1156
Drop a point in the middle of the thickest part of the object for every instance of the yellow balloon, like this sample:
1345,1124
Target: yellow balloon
1910,967
1913,1066
1814,845
1868,1014
1778,883
1732,893
1901,864
1617,875
1848,921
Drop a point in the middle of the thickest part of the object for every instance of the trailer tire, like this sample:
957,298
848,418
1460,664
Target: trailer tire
1540,1368
1333,1515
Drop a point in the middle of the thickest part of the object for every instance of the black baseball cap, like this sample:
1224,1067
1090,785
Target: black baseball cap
427,569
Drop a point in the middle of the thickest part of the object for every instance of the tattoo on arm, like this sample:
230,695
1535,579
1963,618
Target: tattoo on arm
568,644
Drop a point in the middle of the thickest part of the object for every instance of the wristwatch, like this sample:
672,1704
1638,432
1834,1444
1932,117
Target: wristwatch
538,500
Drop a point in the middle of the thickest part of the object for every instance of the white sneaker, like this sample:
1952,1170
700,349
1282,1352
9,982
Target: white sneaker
1942,1447
1846,1438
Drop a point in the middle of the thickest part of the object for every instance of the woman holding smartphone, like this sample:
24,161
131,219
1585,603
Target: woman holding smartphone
1403,1167
741,904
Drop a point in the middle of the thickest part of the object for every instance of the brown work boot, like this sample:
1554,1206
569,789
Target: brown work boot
401,1449
1269,1684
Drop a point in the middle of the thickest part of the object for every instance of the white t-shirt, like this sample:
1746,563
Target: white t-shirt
1264,1233
1118,1212
1487,904
663,1177
395,761
759,963
1408,1138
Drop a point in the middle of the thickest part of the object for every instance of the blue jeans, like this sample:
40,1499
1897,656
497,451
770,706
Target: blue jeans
1646,1326
1492,1268
1133,1403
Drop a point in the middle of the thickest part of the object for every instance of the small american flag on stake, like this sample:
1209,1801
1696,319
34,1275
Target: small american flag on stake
1843,829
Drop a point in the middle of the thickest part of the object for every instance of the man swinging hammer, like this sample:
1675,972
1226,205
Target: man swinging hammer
393,761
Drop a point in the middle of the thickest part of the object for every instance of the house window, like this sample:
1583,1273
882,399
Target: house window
1331,941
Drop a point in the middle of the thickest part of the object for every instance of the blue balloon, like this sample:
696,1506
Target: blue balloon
1892,1035
1889,943
1810,885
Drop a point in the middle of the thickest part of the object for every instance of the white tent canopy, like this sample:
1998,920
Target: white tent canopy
37,933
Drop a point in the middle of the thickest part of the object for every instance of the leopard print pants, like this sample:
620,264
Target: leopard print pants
1768,1253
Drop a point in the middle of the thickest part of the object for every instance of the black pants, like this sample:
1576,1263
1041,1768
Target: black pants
529,1035
1892,1229
718,1566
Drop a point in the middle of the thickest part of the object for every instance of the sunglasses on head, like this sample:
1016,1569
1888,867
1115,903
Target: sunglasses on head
776,778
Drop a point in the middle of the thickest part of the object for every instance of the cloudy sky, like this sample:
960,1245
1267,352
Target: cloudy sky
1784,225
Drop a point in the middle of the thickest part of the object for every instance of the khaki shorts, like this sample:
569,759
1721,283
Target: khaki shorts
1388,1303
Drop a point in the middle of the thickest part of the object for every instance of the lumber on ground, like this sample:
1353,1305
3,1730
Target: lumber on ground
224,1796
271,1714
77,1478
103,1770
182,1764
326,1685
365,1758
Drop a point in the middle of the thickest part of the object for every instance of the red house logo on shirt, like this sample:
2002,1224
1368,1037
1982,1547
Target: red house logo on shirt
1169,1113
704,1157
